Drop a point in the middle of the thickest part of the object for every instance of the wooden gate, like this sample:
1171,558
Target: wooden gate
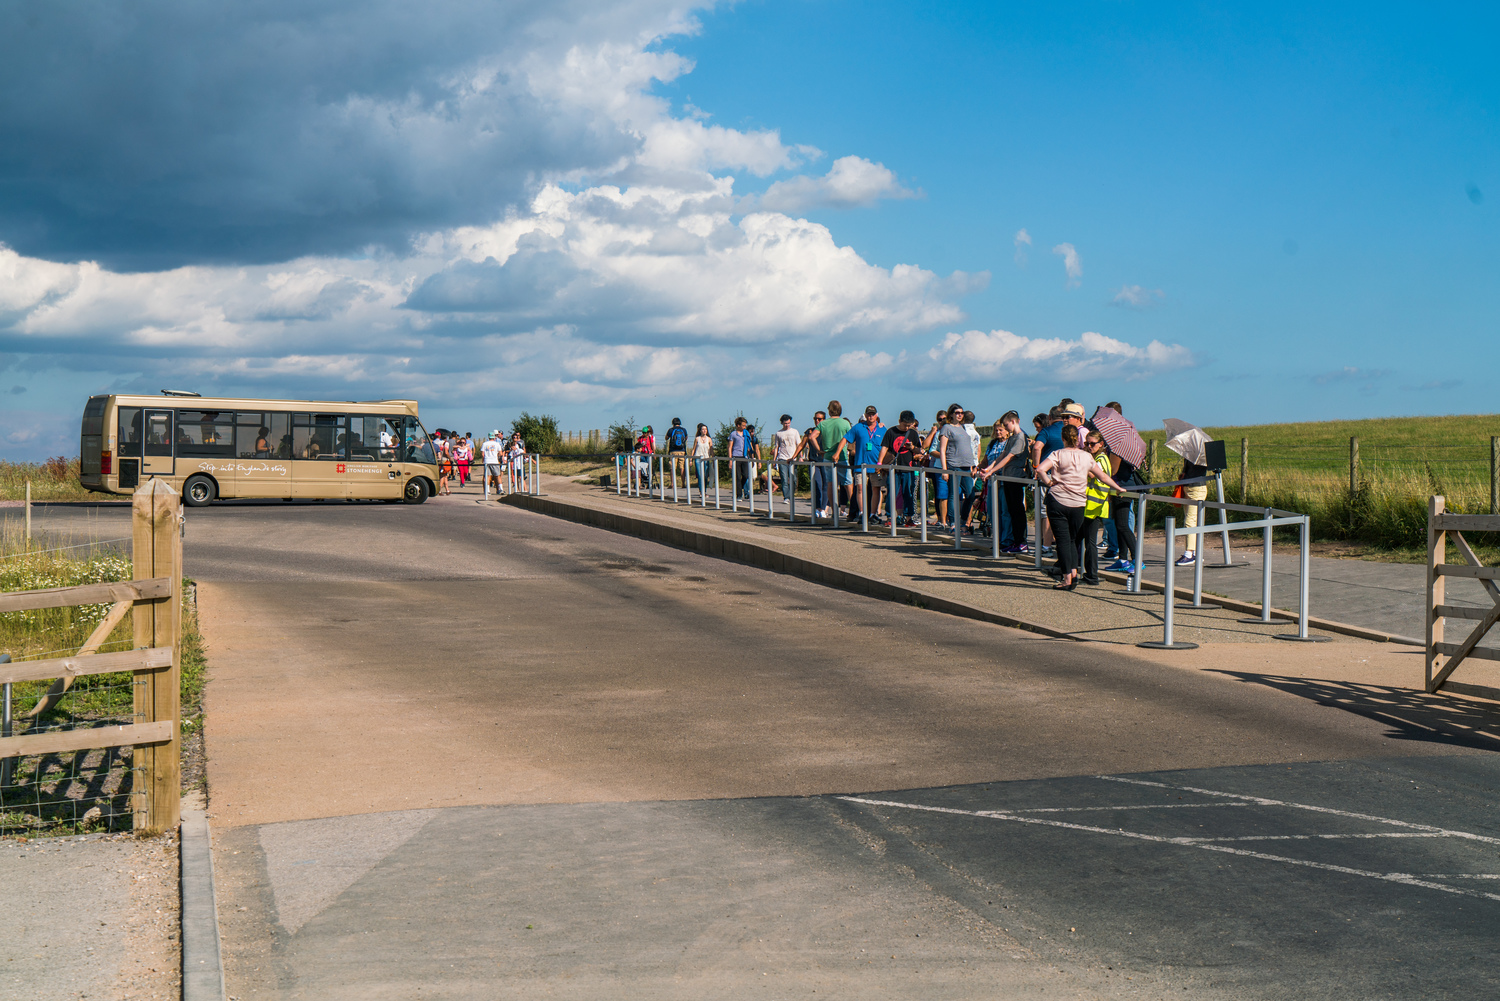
1440,525
155,599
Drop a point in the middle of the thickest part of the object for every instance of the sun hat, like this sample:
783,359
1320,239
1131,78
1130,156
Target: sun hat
1073,410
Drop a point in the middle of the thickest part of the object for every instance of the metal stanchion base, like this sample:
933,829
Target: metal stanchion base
1261,622
1190,607
1159,645
1293,637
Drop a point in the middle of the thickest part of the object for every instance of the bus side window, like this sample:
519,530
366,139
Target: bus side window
247,433
280,438
130,431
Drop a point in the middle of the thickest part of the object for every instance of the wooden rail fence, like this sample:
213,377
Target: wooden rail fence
154,601
1440,525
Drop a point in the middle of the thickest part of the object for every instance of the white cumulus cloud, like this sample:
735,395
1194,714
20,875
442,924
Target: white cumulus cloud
1137,297
851,182
999,355
1022,241
1072,263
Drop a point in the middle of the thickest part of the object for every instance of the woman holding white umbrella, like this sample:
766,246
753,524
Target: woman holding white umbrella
1189,442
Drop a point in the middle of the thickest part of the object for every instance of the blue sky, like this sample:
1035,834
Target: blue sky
1231,215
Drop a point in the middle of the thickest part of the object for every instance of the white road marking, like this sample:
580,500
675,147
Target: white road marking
1262,801
1329,837
1404,878
1132,806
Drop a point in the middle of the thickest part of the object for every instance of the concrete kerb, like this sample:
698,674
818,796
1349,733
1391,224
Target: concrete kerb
202,960
769,559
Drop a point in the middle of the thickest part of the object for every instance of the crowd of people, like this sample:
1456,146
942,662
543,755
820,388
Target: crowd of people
502,458
1083,519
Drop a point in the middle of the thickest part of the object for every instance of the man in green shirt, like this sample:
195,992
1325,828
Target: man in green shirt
831,431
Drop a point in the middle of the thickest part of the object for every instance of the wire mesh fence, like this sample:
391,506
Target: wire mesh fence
73,791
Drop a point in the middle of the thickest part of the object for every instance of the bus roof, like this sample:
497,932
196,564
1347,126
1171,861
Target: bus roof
240,403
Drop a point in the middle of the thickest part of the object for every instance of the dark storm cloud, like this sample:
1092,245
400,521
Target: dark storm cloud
154,134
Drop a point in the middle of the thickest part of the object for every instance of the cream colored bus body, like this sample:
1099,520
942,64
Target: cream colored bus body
360,474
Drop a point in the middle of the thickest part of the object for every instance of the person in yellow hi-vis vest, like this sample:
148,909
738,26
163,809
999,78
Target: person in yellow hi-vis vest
1095,509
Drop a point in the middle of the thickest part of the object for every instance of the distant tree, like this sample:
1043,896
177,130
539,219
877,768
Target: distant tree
621,437
539,433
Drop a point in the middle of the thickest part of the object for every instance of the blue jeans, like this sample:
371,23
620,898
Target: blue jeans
788,479
701,466
823,493
905,485
742,471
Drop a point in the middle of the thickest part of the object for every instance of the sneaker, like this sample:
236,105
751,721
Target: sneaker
1121,566
1049,551
1187,559
1094,581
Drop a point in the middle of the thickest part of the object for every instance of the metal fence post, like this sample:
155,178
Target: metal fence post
890,496
618,486
1169,599
1140,543
994,518
734,485
791,503
1265,572
1304,572
770,494
922,489
1223,520
955,508
1198,557
718,482
1038,499
864,499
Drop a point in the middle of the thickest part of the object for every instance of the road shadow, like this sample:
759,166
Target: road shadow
1410,714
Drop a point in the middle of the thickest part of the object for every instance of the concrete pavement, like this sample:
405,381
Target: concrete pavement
432,727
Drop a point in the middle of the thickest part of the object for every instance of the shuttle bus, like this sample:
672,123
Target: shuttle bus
213,448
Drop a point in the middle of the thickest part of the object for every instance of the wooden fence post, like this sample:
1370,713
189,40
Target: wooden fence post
1151,461
1353,466
1494,474
157,537
1437,554
1244,470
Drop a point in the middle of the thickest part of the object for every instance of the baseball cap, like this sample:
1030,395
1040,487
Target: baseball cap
870,411
645,429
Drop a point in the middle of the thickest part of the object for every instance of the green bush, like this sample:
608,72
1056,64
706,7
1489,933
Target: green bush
539,432
621,437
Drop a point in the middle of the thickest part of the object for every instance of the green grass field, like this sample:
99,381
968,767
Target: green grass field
1402,462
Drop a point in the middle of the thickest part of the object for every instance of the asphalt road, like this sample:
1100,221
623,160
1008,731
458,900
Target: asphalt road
460,752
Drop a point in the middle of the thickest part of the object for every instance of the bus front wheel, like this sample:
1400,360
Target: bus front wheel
416,490
199,491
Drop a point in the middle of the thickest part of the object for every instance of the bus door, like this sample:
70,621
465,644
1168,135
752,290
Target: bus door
157,460
316,468
371,471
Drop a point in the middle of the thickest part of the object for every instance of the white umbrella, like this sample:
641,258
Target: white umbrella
1187,440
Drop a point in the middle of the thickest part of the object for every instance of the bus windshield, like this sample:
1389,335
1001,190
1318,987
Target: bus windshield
418,444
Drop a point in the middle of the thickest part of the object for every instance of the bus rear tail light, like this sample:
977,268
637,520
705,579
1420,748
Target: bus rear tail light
106,462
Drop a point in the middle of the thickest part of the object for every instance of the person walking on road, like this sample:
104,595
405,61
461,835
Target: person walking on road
490,453
1066,473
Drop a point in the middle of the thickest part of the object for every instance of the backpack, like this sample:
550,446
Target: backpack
677,438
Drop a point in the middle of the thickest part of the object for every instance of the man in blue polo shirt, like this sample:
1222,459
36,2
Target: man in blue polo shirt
862,445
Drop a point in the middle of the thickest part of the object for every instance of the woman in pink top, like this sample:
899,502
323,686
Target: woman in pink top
1065,473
